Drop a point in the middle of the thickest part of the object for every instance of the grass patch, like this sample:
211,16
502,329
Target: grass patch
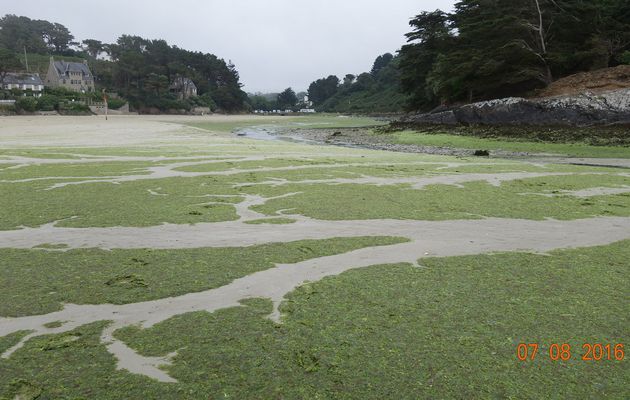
509,144
443,202
294,122
56,171
236,164
54,324
77,369
107,204
93,276
10,340
448,330
187,200
50,246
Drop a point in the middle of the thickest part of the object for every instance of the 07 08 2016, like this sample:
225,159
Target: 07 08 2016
564,352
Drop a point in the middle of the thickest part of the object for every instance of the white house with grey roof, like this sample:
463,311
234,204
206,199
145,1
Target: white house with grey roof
24,82
71,75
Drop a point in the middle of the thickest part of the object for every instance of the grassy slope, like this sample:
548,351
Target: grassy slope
448,330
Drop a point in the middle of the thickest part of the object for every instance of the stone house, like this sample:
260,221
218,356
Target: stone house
183,88
24,82
75,76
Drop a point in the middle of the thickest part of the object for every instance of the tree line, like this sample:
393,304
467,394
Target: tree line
286,100
139,69
485,49
375,91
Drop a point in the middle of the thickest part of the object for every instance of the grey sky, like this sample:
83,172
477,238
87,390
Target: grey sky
273,43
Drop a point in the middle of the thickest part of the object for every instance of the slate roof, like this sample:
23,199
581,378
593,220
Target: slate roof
62,67
22,79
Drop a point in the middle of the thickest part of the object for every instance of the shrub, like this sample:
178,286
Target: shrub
28,104
115,104
61,92
47,102
167,103
7,109
73,108
205,100
6,95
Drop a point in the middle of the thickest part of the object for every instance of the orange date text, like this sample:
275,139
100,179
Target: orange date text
565,352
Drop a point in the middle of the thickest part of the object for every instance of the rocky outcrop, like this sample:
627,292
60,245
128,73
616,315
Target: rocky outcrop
577,110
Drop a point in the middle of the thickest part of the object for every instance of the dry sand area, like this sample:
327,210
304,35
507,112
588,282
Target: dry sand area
174,184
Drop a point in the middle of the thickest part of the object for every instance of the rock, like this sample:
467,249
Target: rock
582,109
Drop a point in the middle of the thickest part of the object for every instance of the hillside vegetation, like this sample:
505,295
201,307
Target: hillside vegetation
485,49
138,69
497,48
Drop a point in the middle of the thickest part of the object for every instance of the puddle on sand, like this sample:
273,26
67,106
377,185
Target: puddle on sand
269,133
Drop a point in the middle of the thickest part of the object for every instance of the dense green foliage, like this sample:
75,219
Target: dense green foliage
262,102
59,99
140,70
485,49
377,91
323,89
495,48
287,99
8,62
18,33
374,91
28,104
258,102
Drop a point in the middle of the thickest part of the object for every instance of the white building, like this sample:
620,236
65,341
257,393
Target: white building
24,82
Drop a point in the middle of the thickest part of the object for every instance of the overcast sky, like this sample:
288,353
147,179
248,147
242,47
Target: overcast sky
273,43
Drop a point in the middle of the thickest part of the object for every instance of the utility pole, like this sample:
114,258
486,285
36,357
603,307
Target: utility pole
105,101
